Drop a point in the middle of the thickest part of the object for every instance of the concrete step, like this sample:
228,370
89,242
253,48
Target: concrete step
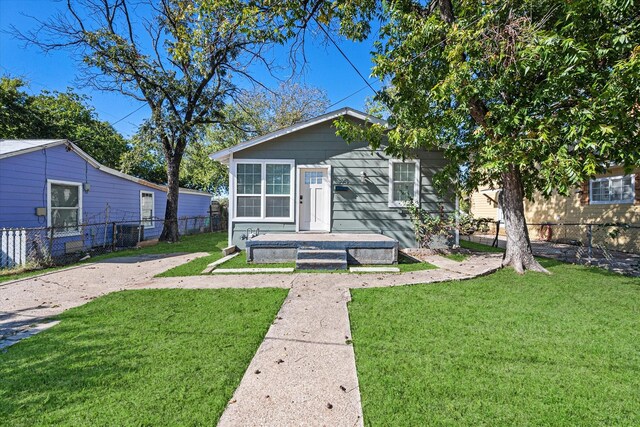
328,254
321,264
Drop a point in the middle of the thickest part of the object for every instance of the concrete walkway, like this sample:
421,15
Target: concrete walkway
303,373
33,300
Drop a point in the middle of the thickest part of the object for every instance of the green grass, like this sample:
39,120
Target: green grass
456,257
478,247
206,242
240,261
151,357
503,349
405,264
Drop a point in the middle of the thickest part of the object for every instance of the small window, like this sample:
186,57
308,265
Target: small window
65,207
613,189
404,182
147,209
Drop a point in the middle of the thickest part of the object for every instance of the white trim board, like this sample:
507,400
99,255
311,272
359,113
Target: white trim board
93,162
299,169
233,172
80,206
224,156
416,182
629,201
153,208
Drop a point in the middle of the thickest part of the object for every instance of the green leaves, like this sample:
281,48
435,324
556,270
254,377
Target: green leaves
551,87
63,115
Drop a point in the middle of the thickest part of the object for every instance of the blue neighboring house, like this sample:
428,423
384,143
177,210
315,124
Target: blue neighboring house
46,183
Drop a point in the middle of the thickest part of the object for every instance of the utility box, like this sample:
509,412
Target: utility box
128,235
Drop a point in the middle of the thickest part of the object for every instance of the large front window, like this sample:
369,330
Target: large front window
65,207
263,190
613,189
403,182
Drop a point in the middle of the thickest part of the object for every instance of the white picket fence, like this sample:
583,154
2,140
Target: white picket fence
13,247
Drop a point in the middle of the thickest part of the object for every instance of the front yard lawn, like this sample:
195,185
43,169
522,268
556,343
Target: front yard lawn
149,357
503,349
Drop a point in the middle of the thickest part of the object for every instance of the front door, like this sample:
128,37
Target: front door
314,200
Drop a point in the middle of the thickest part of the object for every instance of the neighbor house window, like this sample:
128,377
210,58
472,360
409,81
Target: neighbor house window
612,189
404,182
263,190
146,209
64,207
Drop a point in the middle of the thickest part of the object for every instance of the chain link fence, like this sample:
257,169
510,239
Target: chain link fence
611,245
48,246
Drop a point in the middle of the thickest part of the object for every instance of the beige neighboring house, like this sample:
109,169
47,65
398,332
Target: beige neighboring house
608,198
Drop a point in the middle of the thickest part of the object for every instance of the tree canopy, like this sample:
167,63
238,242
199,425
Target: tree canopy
254,113
181,57
57,115
525,95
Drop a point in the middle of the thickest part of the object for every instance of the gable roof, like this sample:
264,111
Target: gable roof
16,147
223,155
11,147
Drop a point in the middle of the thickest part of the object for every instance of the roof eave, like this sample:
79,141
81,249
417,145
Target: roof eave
223,155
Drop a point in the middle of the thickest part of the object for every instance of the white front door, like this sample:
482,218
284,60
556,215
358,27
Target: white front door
314,200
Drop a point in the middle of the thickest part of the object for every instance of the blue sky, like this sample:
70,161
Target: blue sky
326,68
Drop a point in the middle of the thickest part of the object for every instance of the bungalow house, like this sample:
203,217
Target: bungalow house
305,186
53,183
608,198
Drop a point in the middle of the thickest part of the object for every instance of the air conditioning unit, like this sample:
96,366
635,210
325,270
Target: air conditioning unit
128,236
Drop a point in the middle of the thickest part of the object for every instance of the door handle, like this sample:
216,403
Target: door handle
300,199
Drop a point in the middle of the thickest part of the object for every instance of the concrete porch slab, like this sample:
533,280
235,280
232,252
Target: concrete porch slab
361,248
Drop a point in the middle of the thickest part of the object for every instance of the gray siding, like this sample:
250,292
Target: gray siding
362,209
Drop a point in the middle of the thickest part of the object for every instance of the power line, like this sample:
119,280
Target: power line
114,123
377,79
345,56
134,111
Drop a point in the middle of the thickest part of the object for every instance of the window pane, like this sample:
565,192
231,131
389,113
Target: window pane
278,207
278,179
248,206
403,192
404,172
249,177
614,189
65,218
313,177
64,196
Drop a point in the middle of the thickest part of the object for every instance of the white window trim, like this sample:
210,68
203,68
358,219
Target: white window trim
263,189
613,202
153,201
49,207
328,189
416,184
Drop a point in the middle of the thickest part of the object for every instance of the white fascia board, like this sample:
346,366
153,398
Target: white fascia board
53,143
223,155
123,175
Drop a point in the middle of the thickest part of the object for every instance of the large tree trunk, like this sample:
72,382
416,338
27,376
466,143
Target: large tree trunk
170,232
518,253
